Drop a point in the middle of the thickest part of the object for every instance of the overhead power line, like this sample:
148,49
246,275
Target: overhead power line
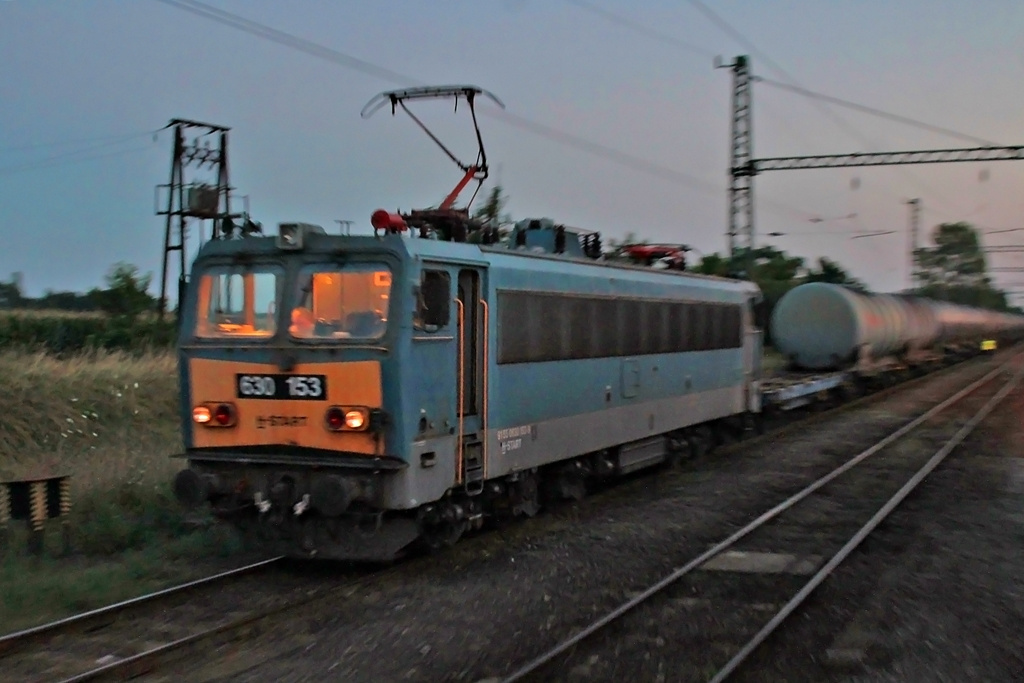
568,139
106,139
874,111
726,28
640,28
263,31
65,159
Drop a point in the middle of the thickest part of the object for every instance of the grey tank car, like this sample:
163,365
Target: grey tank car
821,326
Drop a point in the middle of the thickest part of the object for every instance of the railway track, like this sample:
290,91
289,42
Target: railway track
144,634
772,582
63,648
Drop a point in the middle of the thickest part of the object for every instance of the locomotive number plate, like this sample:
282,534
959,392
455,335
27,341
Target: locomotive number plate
282,387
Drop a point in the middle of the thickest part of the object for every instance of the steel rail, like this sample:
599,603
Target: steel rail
149,660
13,642
548,656
866,530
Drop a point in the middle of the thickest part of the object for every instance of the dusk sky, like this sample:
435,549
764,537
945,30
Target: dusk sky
85,83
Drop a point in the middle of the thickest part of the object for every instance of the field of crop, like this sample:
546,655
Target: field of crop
64,332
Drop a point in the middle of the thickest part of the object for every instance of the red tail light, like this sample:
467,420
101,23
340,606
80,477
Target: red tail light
224,415
335,419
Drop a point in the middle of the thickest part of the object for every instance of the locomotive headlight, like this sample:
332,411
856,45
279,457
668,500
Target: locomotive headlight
215,415
355,419
346,419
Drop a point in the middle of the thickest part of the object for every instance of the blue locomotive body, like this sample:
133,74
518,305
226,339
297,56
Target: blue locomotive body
496,377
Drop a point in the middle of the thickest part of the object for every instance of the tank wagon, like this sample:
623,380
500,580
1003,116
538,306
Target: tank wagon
821,326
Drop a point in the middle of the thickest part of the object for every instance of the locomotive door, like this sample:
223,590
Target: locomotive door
753,350
471,378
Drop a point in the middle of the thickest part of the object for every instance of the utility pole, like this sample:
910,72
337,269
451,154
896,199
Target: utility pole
741,170
345,225
915,226
193,150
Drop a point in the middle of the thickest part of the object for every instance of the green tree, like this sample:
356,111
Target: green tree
956,260
830,271
492,212
955,269
126,295
10,295
713,264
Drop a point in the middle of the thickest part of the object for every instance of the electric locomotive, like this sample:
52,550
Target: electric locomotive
349,396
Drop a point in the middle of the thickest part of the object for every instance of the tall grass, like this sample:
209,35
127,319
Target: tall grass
110,421
102,417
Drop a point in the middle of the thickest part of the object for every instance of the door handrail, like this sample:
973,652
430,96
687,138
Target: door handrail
486,363
462,387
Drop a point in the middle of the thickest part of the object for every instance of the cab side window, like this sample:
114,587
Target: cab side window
433,303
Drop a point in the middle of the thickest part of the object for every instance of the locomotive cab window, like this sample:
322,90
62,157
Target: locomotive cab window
433,301
237,302
350,302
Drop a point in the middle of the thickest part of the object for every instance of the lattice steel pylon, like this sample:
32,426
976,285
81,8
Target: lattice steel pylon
193,200
741,172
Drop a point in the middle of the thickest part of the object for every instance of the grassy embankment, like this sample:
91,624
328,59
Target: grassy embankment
110,421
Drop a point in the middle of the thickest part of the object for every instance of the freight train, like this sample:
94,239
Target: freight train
350,397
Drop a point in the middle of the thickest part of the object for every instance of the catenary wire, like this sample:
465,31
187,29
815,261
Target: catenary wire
567,139
640,28
874,111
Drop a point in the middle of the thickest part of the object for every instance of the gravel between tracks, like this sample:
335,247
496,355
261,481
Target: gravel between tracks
939,594
496,601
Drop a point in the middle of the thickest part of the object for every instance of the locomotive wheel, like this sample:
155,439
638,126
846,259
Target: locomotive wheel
438,536
700,440
726,432
678,450
525,496
441,526
755,423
